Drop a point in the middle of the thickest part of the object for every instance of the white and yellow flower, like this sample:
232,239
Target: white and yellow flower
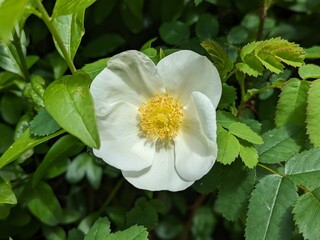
157,123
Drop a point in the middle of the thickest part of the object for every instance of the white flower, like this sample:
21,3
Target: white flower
157,123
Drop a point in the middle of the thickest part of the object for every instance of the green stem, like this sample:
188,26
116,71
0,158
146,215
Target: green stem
24,68
263,15
47,20
111,196
269,169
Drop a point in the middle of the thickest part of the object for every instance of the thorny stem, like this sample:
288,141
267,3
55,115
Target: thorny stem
47,20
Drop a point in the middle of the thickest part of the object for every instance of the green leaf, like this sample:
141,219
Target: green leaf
207,27
71,30
249,155
280,144
304,168
44,205
132,14
233,195
93,69
43,124
22,144
313,52
269,215
100,230
7,196
228,146
11,107
209,182
143,213
174,33
291,108
54,233
307,214
309,71
66,7
133,233
69,102
269,54
238,35
203,222
83,164
219,57
6,139
9,58
313,113
10,14
62,148
103,45
241,130
229,96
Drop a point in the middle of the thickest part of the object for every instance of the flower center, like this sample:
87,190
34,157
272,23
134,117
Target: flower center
161,117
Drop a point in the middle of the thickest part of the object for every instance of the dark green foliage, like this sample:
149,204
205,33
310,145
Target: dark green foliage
265,181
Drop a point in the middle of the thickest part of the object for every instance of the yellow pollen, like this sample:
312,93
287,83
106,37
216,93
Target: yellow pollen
161,117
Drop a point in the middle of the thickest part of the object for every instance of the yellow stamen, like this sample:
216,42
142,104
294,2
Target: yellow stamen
161,117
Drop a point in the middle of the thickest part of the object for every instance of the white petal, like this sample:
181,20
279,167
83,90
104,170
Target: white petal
161,175
121,143
195,146
195,155
184,72
130,77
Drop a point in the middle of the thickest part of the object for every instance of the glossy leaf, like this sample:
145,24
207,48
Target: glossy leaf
280,144
228,97
228,146
71,30
233,195
304,168
93,69
69,102
66,7
64,147
10,14
269,215
313,113
44,205
307,214
291,108
22,144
